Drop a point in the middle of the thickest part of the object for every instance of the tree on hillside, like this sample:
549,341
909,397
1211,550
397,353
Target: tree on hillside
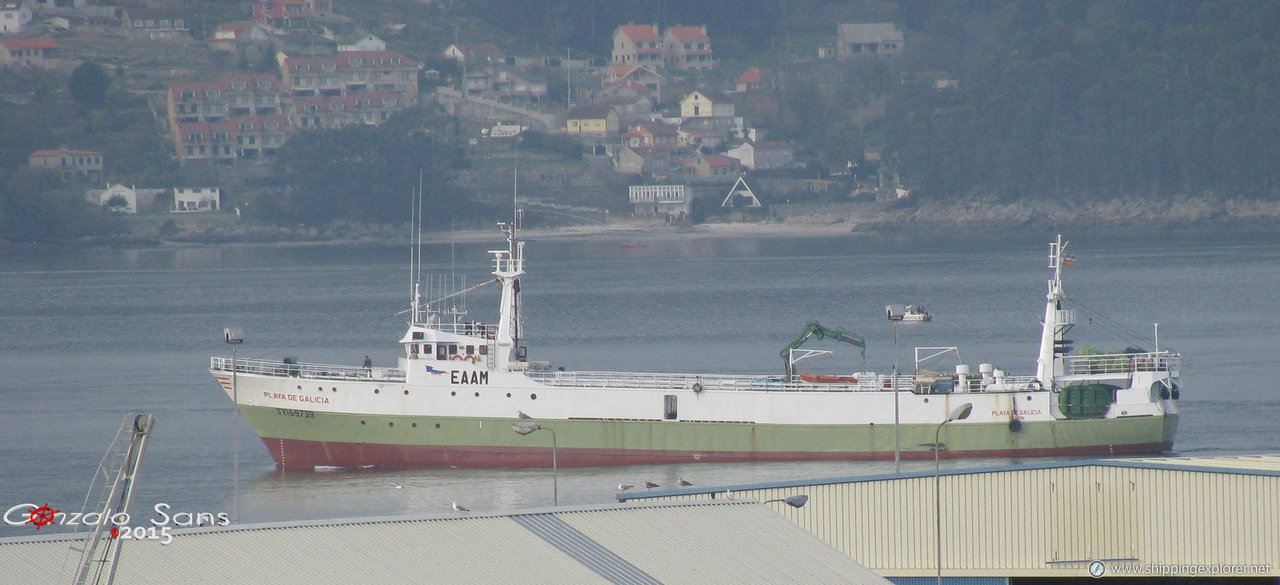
36,207
368,173
88,84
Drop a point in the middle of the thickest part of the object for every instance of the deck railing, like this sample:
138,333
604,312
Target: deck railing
1122,363
697,382
308,371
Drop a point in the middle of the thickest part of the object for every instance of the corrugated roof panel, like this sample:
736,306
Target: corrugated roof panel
1240,462
585,550
1049,519
697,543
716,534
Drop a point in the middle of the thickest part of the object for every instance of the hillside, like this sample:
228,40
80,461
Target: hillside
1093,110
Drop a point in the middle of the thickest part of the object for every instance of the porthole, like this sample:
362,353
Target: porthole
508,395
477,394
335,389
391,424
414,425
406,392
375,390
361,422
926,400
437,425
453,394
300,387
533,397
320,388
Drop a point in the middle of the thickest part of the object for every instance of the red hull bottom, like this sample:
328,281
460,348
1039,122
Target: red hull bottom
298,454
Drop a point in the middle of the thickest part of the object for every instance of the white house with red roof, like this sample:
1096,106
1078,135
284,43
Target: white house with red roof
688,48
282,15
638,44
85,164
29,52
349,71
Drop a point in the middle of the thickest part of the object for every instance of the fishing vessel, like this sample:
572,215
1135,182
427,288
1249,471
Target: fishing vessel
460,386
909,313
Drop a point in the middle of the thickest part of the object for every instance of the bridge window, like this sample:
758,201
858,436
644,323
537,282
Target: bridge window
426,349
471,350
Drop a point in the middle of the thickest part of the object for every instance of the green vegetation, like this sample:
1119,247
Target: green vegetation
369,173
88,84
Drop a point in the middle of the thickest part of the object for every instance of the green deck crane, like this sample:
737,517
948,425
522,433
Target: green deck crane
814,329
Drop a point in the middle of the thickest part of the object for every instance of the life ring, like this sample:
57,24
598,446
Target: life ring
1015,425
697,387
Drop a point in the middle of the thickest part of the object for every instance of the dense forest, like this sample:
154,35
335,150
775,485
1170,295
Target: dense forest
1055,99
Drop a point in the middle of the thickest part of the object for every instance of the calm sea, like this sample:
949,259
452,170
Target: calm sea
87,336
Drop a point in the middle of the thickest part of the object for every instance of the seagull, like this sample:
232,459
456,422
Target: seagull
650,485
458,508
396,485
622,487
684,482
521,414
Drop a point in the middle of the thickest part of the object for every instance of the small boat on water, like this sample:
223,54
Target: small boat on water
460,386
909,313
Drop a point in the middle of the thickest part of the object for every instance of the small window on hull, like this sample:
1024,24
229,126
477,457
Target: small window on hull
669,407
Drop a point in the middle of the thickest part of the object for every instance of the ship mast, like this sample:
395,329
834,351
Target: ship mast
1057,321
508,267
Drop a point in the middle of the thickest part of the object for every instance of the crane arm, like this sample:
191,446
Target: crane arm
814,329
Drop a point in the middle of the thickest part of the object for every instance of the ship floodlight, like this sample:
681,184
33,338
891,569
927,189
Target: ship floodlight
796,501
525,426
961,412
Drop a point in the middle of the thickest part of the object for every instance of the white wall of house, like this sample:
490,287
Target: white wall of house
187,199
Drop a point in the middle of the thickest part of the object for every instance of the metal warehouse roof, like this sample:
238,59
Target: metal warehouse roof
1044,519
740,542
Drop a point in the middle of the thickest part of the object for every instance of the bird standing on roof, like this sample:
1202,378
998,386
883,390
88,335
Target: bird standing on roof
521,414
649,485
622,487
684,482
458,508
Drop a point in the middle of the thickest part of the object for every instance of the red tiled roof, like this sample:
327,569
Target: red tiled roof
15,44
224,83
640,32
688,34
343,60
752,75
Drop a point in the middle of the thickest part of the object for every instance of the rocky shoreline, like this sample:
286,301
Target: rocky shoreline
981,219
